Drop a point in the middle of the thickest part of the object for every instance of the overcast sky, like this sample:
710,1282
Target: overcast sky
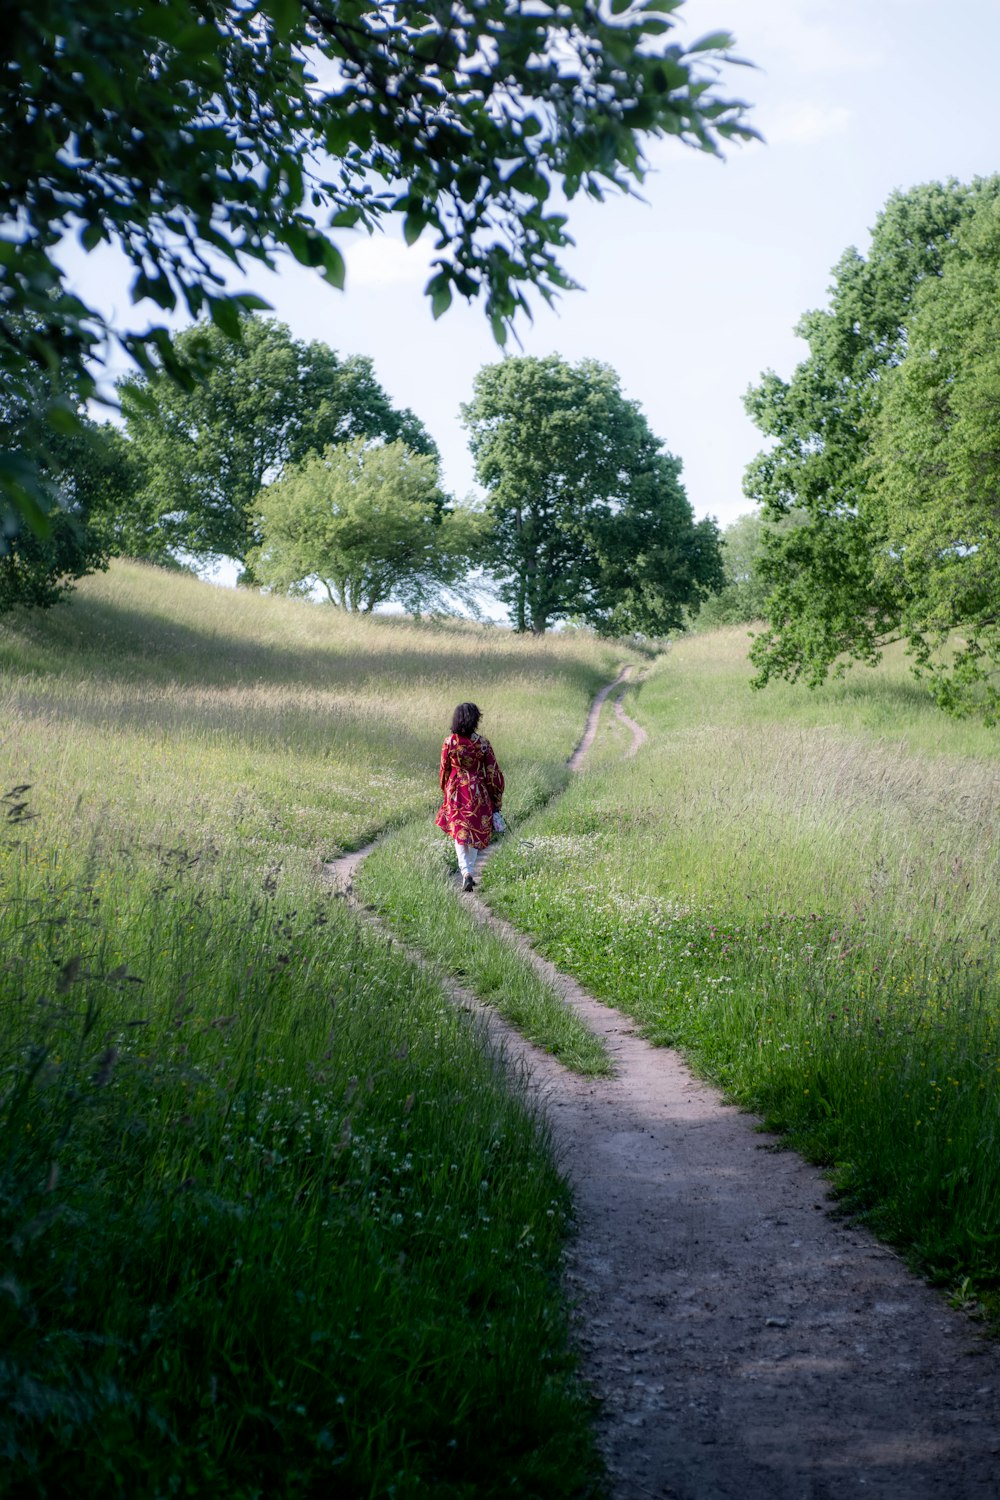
692,293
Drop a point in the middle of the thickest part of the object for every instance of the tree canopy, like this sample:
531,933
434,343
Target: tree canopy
80,470
654,562
86,470
834,596
746,584
368,523
587,516
260,403
935,460
200,134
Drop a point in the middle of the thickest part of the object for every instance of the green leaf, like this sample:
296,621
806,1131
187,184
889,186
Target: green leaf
225,314
344,218
440,300
197,40
339,134
334,267
156,287
305,242
413,227
140,398
285,15
668,75
19,477
715,41
528,179
467,181
62,416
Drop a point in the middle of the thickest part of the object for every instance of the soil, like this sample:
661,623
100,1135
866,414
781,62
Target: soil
742,1341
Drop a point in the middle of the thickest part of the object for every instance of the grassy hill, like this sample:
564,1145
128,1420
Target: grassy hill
181,706
273,1221
800,890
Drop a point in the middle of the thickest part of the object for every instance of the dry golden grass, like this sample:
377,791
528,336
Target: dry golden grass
158,703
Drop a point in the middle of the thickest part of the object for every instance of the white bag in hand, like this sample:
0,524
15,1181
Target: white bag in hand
499,826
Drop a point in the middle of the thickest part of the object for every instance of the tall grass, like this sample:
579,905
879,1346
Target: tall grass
177,704
800,891
409,879
274,1221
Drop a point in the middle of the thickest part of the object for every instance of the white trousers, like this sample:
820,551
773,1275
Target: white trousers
468,854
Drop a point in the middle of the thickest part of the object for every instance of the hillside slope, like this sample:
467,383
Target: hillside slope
276,1222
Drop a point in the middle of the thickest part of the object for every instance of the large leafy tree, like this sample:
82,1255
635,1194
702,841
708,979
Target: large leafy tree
830,601
261,403
587,514
743,596
84,470
366,523
192,133
82,467
653,561
935,475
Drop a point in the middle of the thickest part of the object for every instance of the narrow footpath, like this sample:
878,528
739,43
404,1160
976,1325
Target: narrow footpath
744,1343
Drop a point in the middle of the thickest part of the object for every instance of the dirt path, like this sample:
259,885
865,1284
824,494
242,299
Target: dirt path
639,735
744,1345
593,718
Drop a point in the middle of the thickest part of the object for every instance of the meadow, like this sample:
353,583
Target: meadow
274,1219
799,890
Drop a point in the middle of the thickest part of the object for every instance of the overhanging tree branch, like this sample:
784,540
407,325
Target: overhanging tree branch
186,130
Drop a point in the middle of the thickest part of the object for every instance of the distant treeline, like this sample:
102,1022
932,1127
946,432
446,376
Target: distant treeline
291,461
878,513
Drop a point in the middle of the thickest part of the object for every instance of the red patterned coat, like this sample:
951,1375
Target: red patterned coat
472,784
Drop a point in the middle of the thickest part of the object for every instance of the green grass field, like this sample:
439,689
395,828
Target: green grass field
800,890
274,1222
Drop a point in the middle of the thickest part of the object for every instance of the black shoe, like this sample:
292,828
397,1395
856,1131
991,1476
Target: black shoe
468,884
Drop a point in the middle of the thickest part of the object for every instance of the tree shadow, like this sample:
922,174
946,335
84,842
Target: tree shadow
101,638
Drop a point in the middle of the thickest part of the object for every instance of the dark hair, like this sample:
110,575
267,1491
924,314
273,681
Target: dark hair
464,719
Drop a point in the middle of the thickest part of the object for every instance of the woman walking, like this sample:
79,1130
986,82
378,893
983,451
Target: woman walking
472,784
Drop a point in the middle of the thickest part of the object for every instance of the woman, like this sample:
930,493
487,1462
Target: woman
472,784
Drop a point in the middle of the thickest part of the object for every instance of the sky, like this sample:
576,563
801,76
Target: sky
692,293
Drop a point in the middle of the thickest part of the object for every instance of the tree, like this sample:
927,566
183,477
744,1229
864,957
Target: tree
935,475
87,470
79,468
653,560
746,580
586,515
831,602
261,403
196,133
366,522
38,571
